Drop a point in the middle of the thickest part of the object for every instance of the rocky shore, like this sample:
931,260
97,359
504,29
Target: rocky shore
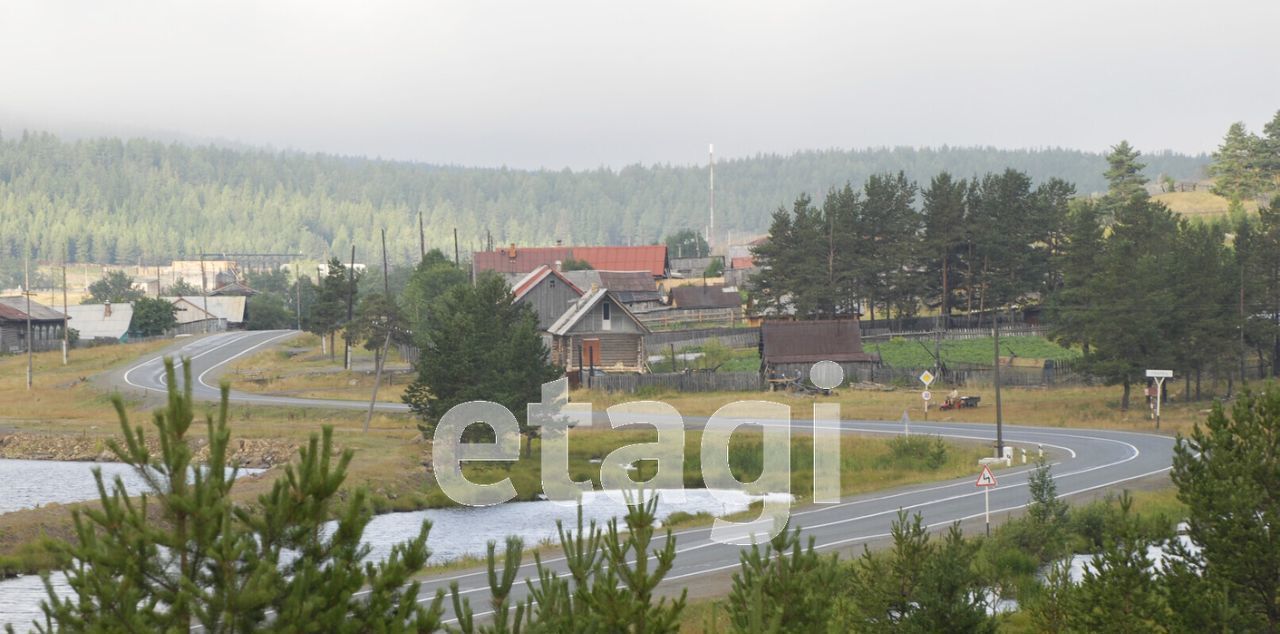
256,453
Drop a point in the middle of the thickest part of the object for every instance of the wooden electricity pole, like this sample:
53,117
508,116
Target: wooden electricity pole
995,332
386,342
351,307
65,340
26,290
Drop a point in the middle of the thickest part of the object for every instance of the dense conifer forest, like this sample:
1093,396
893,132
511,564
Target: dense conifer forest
113,200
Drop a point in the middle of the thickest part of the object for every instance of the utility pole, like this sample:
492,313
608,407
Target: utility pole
456,261
351,307
65,317
386,342
711,228
995,332
204,286
26,290
297,290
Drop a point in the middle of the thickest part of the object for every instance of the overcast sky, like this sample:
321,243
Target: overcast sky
590,83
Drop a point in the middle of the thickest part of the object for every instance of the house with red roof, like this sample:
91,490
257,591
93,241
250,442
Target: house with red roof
513,259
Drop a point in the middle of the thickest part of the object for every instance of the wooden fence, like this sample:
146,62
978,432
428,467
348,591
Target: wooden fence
732,337
959,333
676,381
678,316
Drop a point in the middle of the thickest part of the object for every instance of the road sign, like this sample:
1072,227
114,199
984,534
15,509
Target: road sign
926,395
986,479
926,377
1159,376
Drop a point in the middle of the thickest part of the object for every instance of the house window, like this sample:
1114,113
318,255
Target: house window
606,325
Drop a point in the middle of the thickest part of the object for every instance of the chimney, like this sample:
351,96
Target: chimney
557,265
106,310
511,252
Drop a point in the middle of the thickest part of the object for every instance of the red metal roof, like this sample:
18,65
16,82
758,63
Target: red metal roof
525,259
742,263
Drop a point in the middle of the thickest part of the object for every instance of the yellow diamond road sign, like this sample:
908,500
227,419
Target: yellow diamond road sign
926,377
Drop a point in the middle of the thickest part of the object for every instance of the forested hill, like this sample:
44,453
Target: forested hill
115,200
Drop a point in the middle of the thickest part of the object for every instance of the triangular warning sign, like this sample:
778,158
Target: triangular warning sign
985,479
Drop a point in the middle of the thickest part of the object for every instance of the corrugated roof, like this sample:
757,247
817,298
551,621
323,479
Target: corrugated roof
228,308
652,258
526,259
92,322
743,263
583,306
812,341
15,308
528,282
710,296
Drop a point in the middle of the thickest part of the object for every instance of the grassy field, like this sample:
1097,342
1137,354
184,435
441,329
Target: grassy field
906,353
300,368
1201,203
1097,407
866,463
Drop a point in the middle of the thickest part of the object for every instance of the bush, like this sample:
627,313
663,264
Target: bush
918,452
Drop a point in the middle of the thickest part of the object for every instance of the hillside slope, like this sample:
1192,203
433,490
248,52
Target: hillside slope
115,200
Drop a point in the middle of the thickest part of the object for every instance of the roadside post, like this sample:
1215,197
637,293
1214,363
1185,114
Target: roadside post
927,378
906,424
986,480
1159,376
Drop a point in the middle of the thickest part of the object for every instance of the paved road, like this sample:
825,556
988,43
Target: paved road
1084,461
209,357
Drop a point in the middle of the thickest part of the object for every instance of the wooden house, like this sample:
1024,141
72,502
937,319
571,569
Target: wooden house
598,332
548,292
46,325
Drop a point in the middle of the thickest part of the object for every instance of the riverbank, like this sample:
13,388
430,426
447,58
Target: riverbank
254,453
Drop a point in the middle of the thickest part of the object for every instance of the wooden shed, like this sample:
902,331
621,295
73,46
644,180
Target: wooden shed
791,347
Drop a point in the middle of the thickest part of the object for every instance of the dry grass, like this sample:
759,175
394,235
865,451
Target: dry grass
62,394
299,368
1058,407
1200,203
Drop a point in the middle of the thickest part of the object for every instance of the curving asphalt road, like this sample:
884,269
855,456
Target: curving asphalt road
1085,461
209,356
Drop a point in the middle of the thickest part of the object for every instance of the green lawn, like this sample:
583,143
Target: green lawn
906,353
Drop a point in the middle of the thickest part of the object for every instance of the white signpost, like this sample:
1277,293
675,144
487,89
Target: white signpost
1159,376
926,377
986,480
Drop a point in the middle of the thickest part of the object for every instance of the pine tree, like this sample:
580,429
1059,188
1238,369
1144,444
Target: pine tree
1237,166
1225,471
186,554
782,587
480,346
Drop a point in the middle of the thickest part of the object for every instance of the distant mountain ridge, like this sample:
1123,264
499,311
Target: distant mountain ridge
121,200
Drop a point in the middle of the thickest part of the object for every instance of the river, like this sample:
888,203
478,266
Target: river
455,532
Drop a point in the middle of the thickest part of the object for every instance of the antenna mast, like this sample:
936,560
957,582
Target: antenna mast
711,228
